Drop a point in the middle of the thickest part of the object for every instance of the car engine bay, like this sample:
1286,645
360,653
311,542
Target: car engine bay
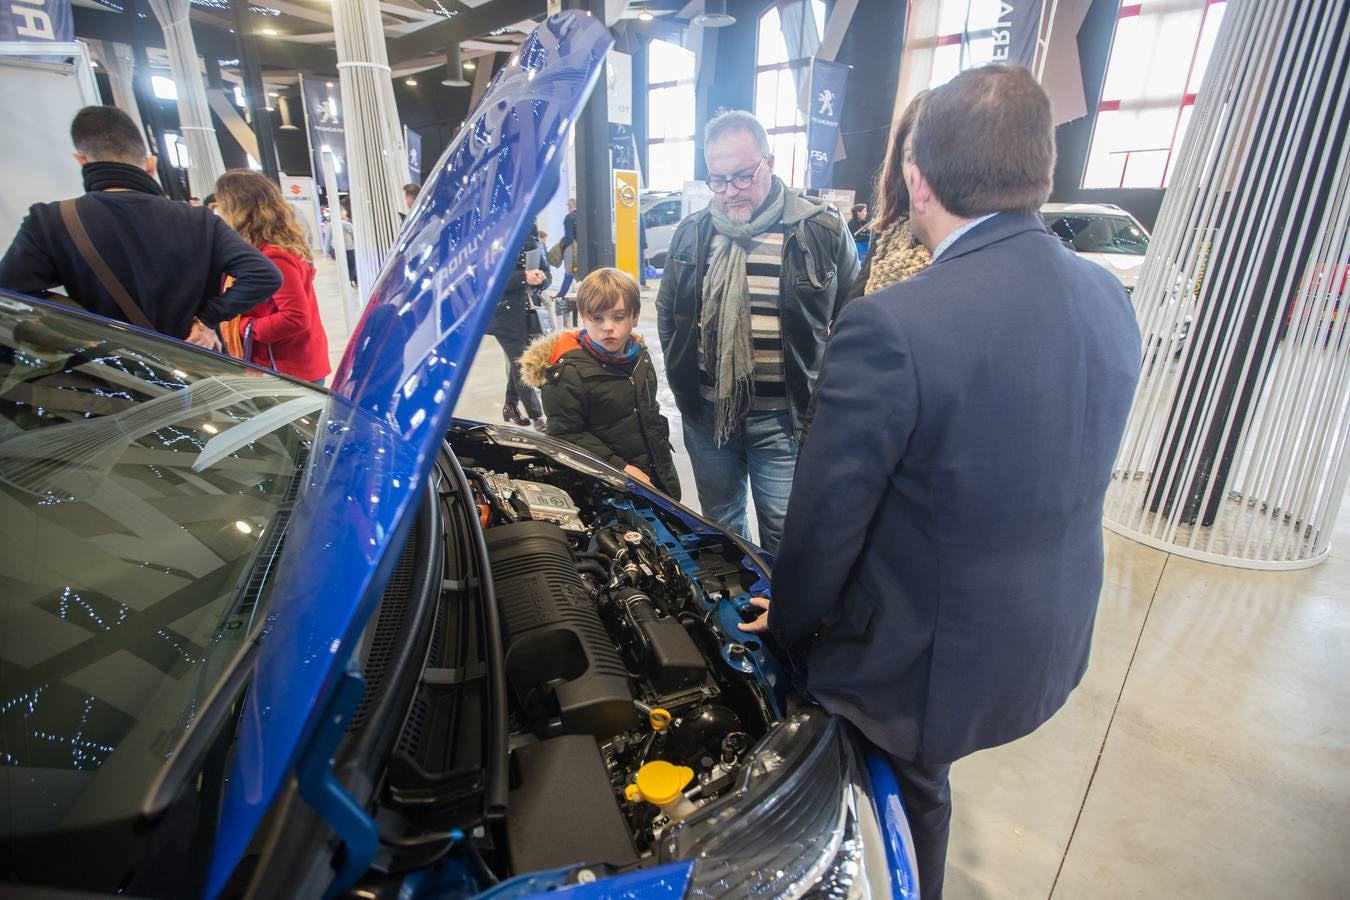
634,700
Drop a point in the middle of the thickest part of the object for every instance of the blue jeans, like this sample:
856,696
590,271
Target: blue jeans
764,452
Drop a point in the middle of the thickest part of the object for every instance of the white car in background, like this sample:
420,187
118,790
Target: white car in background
1101,233
660,215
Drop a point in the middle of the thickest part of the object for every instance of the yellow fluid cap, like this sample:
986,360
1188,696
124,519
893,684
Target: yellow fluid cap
659,782
659,719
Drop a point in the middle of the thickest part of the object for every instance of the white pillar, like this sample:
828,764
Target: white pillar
205,164
377,164
1236,448
118,63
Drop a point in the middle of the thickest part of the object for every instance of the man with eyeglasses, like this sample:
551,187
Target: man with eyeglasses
750,288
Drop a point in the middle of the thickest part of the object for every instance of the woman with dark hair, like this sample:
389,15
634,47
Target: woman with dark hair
287,333
895,253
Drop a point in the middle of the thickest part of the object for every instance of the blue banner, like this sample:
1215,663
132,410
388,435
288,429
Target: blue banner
822,127
1019,25
36,20
323,117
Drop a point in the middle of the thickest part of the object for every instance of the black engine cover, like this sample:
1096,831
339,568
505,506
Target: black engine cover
560,660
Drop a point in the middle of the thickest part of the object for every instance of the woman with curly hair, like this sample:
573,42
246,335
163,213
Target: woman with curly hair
286,331
895,253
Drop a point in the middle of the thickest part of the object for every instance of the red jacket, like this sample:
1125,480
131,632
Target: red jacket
287,333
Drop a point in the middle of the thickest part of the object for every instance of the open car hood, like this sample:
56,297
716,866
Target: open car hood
391,404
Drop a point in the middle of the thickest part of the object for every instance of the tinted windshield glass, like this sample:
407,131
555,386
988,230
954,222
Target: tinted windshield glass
1100,234
139,483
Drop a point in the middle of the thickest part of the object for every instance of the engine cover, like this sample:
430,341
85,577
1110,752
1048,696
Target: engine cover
560,660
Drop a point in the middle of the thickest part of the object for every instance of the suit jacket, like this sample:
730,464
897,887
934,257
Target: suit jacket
942,554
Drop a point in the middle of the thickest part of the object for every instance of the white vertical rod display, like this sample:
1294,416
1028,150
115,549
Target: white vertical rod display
1237,449
205,164
377,163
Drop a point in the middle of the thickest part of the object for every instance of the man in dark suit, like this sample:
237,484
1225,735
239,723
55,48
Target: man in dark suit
942,556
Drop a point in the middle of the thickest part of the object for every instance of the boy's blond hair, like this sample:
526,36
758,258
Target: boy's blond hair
605,289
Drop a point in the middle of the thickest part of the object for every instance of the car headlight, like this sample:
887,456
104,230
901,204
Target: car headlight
799,821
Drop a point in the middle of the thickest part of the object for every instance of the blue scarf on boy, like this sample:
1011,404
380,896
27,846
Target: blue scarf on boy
625,358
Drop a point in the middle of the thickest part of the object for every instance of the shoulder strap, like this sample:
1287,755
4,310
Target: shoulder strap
71,216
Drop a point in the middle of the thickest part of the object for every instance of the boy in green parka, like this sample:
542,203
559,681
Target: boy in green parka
598,384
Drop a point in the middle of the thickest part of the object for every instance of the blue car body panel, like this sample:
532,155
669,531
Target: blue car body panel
391,403
890,810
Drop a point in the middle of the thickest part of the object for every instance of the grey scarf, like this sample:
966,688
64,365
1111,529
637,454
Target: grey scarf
726,351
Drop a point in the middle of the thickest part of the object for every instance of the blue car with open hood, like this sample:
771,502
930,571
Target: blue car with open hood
260,639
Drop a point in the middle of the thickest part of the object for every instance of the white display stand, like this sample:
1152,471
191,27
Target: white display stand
46,84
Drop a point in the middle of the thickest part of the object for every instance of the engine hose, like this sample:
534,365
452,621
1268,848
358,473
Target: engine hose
595,570
599,558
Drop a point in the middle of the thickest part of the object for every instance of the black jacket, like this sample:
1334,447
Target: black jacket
611,414
171,257
820,262
942,554
511,319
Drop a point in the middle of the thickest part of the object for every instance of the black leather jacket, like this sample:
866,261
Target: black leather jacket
820,262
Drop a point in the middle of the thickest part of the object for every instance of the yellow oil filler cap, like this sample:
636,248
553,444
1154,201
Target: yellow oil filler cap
660,783
659,718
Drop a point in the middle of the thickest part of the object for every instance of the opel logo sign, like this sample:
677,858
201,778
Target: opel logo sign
627,195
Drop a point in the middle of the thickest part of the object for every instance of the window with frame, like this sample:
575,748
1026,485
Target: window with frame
966,38
670,116
1159,55
777,70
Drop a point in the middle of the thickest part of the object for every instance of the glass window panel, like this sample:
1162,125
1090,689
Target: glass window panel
772,48
671,164
1144,169
946,64
1105,164
164,87
955,17
1208,34
669,62
1122,72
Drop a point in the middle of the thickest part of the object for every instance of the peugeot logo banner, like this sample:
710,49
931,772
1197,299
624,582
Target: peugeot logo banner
828,80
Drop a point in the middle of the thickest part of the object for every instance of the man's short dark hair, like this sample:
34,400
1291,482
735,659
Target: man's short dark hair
411,190
859,207
106,134
985,142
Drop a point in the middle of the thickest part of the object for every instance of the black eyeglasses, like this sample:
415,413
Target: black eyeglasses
718,183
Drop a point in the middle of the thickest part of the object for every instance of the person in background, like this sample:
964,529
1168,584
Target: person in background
165,261
895,251
942,557
410,192
287,333
194,201
599,385
513,326
566,254
210,202
858,220
349,237
750,287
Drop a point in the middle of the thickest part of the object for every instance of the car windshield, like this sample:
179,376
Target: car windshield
1100,233
145,487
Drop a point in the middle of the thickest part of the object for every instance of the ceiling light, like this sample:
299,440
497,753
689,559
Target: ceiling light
714,15
270,32
411,82
645,15
273,94
243,527
470,65
93,63
328,84
209,428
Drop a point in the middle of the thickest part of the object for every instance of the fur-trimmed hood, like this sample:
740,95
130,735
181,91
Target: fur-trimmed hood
545,351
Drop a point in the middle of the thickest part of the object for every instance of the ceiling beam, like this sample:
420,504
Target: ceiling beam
468,24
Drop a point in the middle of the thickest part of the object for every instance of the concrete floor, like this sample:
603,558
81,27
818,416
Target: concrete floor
1205,755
